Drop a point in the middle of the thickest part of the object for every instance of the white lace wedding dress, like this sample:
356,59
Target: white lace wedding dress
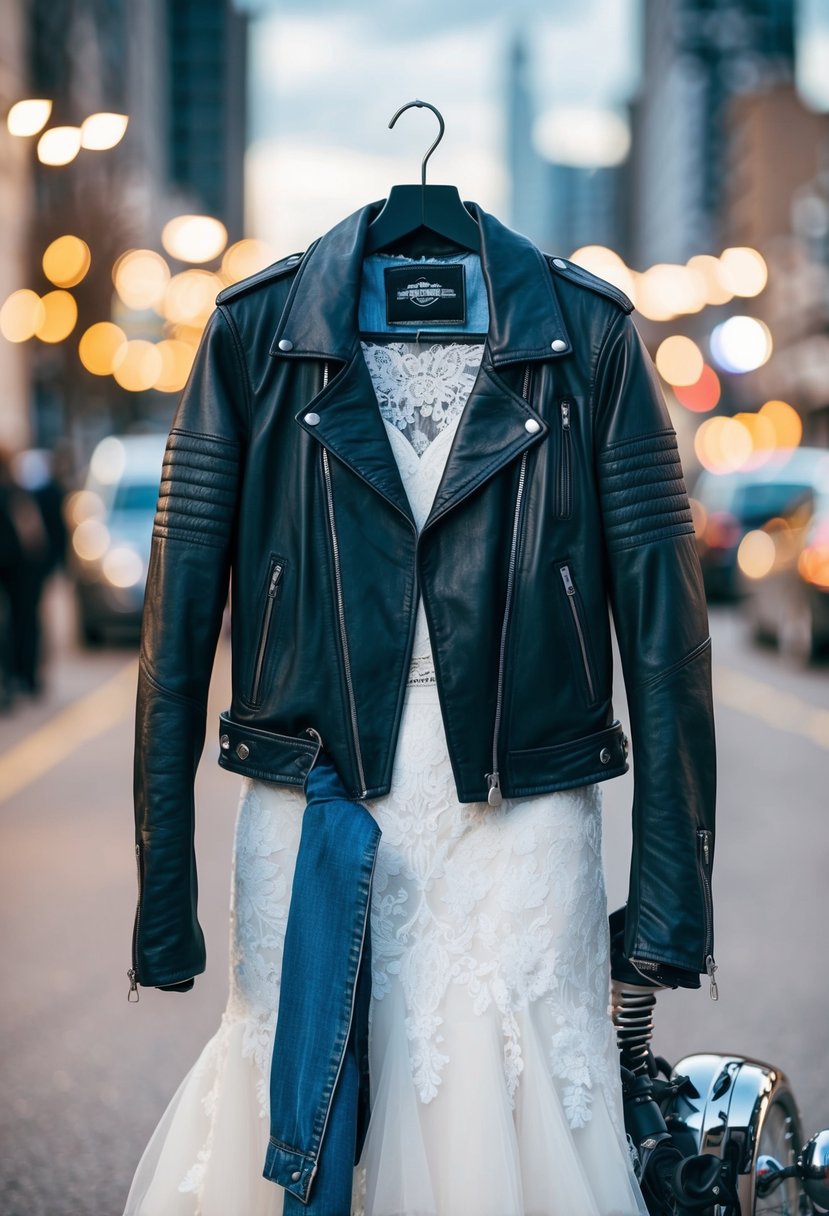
494,1073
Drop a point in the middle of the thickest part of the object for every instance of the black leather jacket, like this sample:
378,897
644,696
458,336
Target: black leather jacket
562,497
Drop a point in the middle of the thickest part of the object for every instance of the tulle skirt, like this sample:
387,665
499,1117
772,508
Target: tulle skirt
495,1085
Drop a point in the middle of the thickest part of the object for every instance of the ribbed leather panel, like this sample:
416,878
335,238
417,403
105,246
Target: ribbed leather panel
643,492
197,495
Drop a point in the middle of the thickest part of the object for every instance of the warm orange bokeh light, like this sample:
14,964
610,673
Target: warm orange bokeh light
703,394
60,316
66,261
99,345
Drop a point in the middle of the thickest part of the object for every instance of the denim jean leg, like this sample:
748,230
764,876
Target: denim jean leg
319,1064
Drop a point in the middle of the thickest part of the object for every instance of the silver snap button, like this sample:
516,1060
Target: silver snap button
296,1175
532,425
225,742
558,344
562,265
604,755
312,419
242,751
286,344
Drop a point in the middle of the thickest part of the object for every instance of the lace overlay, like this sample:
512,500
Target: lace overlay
489,1014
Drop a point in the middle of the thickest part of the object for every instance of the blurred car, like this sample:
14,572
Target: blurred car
110,525
786,564
728,505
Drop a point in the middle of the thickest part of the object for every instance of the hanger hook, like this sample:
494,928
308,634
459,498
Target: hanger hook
435,111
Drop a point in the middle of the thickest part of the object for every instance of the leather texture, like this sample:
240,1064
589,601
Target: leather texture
562,500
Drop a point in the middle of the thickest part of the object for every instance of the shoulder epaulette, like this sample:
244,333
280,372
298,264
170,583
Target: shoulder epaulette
274,271
586,278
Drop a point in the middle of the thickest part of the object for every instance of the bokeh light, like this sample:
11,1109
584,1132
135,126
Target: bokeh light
21,315
722,444
102,131
141,277
743,270
741,344
137,365
122,566
59,145
190,297
245,258
194,238
176,361
703,394
90,540
785,421
99,345
679,360
29,116
66,261
60,316
709,267
755,554
108,460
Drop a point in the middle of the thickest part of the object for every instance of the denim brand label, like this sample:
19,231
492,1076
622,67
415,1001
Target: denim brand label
422,294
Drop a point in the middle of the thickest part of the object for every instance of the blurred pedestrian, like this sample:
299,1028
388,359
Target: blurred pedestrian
24,561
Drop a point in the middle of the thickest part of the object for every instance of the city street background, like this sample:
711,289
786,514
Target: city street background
154,153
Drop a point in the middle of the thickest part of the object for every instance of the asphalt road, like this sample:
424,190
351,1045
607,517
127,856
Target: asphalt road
86,1075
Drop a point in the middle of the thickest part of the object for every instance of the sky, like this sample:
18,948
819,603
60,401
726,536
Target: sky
326,77
325,80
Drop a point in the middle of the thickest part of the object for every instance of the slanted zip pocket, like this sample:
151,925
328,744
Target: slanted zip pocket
564,503
275,570
577,614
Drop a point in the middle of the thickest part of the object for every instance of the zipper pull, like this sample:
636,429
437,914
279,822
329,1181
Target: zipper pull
705,847
565,414
568,582
494,796
711,967
277,571
133,986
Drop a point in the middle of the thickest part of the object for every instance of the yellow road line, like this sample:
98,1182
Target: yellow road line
79,722
781,710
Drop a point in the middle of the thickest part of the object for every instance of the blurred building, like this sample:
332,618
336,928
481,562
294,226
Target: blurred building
697,58
177,69
15,204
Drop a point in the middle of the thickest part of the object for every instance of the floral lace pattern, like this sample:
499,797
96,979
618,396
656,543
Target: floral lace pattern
421,392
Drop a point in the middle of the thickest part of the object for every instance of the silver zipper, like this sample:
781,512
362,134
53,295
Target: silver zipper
564,506
132,973
703,836
343,638
276,574
316,1164
494,797
569,587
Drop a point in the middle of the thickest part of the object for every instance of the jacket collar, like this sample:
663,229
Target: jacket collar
319,318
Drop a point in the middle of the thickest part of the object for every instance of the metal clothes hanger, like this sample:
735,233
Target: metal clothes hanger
411,209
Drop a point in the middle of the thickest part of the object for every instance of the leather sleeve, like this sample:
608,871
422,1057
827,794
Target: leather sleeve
661,622
186,591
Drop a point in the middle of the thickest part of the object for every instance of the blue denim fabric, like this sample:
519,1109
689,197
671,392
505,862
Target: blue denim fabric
371,315
319,1082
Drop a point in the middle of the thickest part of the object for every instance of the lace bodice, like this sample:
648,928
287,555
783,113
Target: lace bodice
421,393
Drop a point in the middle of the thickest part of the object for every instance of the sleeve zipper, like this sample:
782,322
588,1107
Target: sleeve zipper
133,971
704,850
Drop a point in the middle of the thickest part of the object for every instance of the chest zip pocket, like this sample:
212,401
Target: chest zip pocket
275,570
564,505
574,600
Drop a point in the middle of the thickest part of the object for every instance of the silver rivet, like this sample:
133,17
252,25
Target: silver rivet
286,344
562,265
296,1175
532,425
558,344
312,419
295,257
604,755
225,742
242,751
